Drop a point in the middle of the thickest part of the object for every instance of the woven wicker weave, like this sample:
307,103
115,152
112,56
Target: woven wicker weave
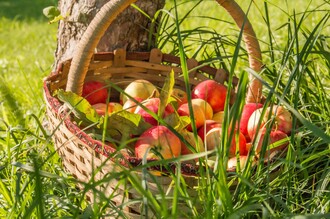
86,158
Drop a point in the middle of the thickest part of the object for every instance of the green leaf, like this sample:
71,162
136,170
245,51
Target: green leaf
126,123
176,121
173,120
173,101
184,121
51,12
79,106
166,92
31,168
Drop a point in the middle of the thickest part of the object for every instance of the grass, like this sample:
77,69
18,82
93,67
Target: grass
295,45
24,10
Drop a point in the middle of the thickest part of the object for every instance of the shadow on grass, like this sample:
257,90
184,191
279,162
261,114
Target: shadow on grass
24,9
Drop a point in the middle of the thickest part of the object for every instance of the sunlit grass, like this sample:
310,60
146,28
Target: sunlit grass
26,53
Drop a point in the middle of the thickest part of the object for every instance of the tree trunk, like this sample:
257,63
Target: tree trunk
130,30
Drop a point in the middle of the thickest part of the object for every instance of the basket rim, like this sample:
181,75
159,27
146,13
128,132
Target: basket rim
145,56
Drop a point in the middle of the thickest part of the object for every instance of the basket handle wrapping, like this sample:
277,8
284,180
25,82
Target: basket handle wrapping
108,13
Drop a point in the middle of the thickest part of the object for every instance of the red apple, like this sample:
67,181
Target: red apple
211,91
142,89
248,109
153,105
180,96
159,139
198,112
283,120
102,107
274,136
189,137
95,92
207,126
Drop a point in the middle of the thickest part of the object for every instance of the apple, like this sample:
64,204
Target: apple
180,96
283,120
130,105
213,139
218,116
198,114
207,126
153,105
232,162
247,111
157,142
274,136
189,137
211,91
101,108
140,88
206,107
95,92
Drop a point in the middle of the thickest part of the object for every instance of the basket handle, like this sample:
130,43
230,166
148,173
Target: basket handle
108,13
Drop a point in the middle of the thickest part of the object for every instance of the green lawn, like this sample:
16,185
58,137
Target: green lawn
27,50
27,53
295,41
24,10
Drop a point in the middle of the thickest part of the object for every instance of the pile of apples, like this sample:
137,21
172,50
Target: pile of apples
208,100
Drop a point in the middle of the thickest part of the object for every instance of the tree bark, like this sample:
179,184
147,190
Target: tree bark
130,30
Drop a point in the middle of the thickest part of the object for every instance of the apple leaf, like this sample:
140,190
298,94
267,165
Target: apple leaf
173,101
166,92
184,121
79,106
176,121
126,123
120,124
173,120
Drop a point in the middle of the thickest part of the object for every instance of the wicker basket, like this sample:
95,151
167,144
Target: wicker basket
86,158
